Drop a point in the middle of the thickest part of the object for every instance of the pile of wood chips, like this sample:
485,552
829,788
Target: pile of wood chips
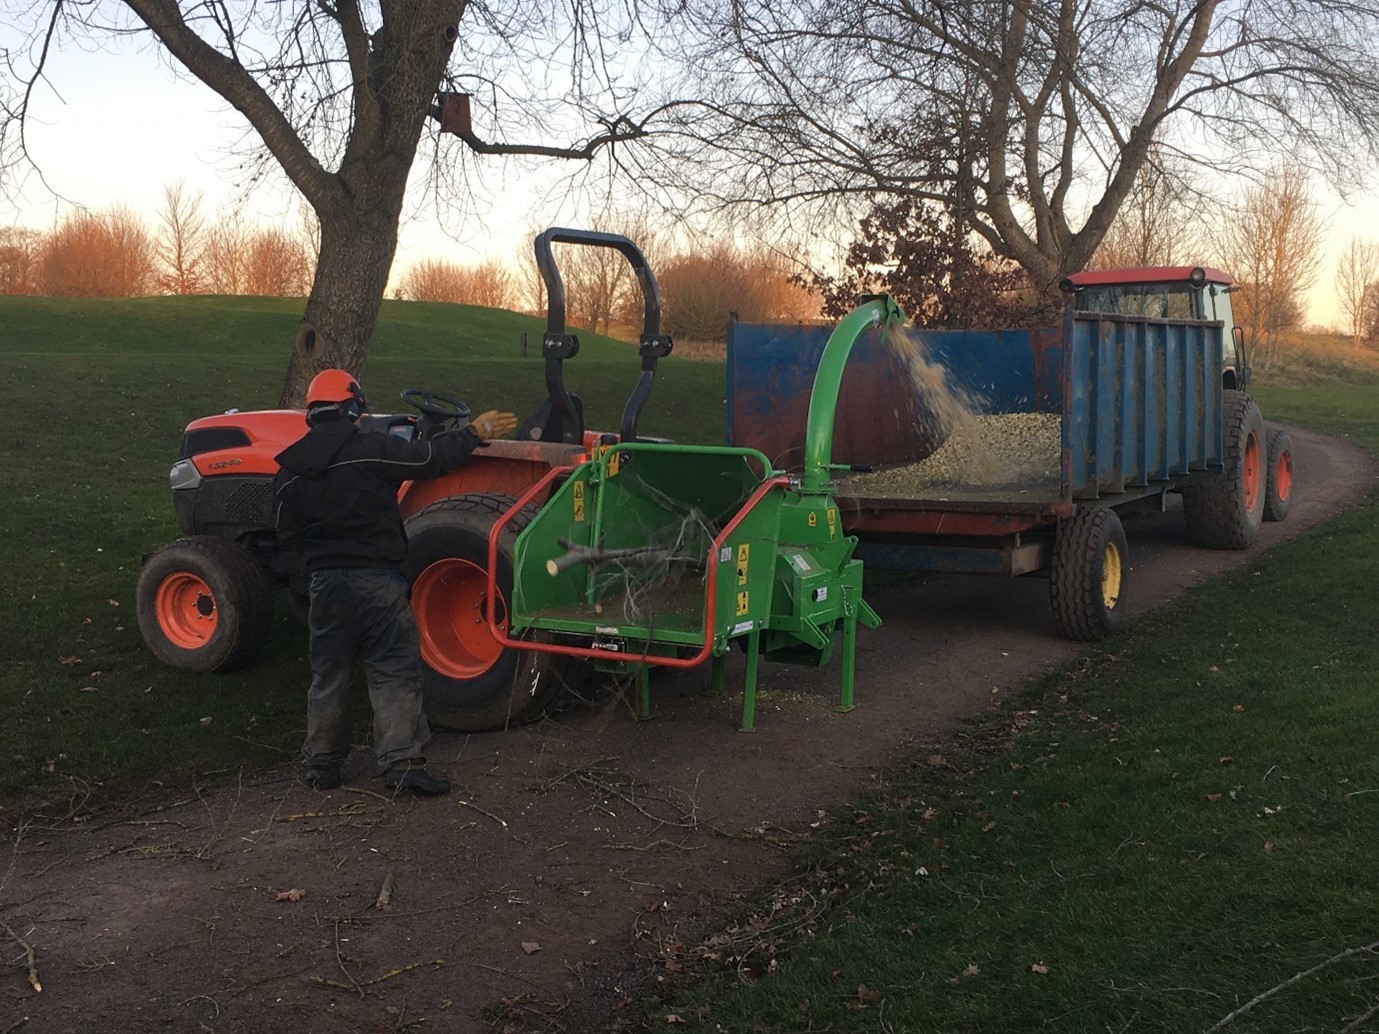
981,451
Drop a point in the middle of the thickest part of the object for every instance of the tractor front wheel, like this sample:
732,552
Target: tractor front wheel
470,681
204,603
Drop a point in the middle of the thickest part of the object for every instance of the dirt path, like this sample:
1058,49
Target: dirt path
530,896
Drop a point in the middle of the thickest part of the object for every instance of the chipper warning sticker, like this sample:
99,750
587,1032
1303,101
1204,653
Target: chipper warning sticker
742,603
579,500
743,552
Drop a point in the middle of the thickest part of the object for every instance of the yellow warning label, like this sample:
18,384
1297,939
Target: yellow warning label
741,603
832,523
813,519
742,554
579,500
614,463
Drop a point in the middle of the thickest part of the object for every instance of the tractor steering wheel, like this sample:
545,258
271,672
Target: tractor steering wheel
438,408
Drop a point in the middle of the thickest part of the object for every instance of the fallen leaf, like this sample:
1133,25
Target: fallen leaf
1239,708
295,894
989,826
1227,760
673,1018
1039,967
69,660
113,603
937,761
1268,845
866,994
1213,796
971,970
206,720
88,689
530,947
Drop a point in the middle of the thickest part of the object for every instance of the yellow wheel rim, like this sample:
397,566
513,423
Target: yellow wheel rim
1112,575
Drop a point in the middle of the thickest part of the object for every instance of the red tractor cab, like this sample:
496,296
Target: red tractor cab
1167,292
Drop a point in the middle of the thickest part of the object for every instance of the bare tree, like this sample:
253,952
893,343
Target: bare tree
434,280
1272,246
338,94
1158,225
20,250
1053,108
703,287
109,255
225,256
181,238
1356,273
277,264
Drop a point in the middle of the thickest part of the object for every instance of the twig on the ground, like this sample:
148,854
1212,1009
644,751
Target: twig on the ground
340,958
15,1025
30,959
475,807
1363,1017
1234,1015
357,985
652,846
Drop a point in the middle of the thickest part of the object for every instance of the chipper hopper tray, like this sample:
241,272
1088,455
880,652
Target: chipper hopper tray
667,554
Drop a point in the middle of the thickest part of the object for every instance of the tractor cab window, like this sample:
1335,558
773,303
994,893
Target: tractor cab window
1163,301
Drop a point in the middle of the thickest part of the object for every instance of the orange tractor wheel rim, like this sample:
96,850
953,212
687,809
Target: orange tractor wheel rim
1253,470
1283,476
448,600
186,610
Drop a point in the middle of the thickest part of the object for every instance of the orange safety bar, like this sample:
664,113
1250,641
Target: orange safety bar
711,603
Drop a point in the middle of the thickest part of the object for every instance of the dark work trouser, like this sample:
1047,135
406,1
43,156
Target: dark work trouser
363,612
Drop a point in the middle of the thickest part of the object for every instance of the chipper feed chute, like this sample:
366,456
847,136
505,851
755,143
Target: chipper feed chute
653,553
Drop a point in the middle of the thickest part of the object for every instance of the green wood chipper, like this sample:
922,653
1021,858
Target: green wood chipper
653,553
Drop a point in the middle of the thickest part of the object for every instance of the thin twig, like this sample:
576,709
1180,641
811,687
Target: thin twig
495,818
30,959
1257,999
340,959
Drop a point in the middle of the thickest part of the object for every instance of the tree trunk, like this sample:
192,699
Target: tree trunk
357,247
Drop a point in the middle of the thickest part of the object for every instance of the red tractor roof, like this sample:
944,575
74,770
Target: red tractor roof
1147,275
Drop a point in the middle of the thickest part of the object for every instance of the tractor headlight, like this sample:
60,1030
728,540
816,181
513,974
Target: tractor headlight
184,475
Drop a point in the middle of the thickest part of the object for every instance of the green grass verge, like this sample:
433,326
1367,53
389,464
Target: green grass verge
97,396
1146,840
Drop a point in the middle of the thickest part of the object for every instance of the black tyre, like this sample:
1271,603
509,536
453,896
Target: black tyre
1088,581
1224,511
1278,495
471,682
204,603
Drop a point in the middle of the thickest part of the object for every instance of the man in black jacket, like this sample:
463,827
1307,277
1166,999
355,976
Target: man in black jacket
337,505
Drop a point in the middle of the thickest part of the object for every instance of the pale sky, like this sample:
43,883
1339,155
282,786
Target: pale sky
118,127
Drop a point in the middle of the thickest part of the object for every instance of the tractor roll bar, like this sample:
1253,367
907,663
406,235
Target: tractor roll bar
558,345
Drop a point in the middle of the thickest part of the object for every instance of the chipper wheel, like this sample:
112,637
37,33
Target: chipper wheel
1088,579
471,682
1278,497
1225,510
204,603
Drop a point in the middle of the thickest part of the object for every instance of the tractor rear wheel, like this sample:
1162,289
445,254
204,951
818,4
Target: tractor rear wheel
1224,511
1279,495
204,603
470,681
1090,570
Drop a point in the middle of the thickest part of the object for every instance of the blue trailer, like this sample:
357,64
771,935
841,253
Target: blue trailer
1143,409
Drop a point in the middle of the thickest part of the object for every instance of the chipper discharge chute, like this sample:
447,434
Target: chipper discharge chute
664,554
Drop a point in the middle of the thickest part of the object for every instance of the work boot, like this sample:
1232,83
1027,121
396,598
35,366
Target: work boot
322,778
416,780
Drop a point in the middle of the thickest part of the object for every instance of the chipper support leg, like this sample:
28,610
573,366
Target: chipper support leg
716,671
749,688
849,664
644,683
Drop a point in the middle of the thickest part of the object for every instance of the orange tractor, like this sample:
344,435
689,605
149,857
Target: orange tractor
205,601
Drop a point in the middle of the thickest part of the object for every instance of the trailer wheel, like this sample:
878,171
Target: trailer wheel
1224,511
1090,569
471,682
204,603
1279,495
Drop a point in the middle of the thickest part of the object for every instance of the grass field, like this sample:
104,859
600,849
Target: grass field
97,396
1181,824
1158,834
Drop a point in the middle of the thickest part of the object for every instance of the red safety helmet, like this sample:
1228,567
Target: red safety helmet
333,386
